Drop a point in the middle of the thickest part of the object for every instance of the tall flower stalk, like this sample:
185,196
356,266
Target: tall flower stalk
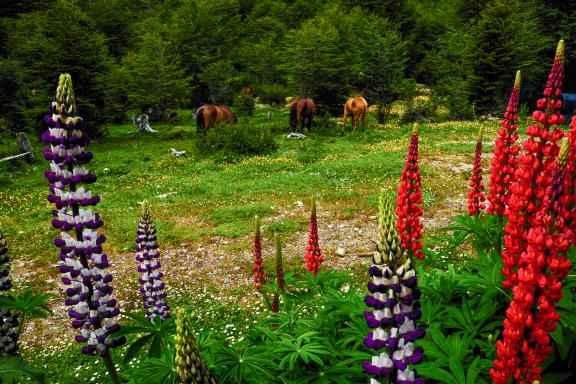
476,196
8,320
314,257
280,282
505,160
409,200
395,307
147,253
537,239
82,263
535,166
190,368
258,268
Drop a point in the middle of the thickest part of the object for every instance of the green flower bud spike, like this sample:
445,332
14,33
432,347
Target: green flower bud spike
388,250
190,368
65,101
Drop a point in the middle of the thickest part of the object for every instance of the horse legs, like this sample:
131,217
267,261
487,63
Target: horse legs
364,119
344,119
355,119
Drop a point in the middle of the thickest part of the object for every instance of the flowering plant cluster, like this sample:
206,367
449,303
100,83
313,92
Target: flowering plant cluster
8,320
82,262
476,196
258,268
314,257
408,202
537,239
505,160
394,298
147,253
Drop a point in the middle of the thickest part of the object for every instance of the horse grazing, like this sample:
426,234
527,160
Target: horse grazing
208,115
302,111
357,108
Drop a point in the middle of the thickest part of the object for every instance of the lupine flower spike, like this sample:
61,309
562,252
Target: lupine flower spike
279,274
8,320
476,196
82,263
147,253
394,298
535,273
505,160
258,268
190,368
534,169
409,200
314,257
569,210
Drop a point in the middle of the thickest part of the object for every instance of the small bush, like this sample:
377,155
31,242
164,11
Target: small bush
244,105
237,139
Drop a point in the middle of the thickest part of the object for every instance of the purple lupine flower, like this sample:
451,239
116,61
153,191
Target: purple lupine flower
393,298
82,263
147,253
8,320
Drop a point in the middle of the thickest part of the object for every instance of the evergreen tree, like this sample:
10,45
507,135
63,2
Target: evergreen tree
315,64
59,39
506,38
155,80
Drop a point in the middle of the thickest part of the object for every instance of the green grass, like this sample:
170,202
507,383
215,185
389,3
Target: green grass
133,167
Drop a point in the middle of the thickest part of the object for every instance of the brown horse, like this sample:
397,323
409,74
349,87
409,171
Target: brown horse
357,108
302,111
208,115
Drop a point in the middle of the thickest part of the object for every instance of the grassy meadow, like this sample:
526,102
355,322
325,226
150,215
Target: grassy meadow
204,204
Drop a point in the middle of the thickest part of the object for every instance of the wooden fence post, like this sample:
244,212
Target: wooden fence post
24,145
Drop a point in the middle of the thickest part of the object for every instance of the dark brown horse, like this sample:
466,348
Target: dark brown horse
357,107
302,111
208,115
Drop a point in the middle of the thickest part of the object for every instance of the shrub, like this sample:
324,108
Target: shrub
237,139
244,105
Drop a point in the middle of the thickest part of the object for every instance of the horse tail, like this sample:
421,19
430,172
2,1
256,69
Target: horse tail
200,119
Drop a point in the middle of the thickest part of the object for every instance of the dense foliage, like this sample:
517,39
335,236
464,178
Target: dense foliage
156,56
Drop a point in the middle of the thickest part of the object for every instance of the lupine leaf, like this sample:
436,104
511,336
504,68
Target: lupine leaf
13,368
134,348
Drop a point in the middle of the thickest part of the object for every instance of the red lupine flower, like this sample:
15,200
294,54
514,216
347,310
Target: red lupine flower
504,162
408,202
258,268
314,257
534,169
542,238
476,196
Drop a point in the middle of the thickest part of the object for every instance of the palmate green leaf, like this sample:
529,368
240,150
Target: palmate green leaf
251,364
135,348
429,371
457,371
305,347
160,370
158,333
14,368
28,304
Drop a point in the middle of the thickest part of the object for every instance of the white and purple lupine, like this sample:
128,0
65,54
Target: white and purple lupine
147,253
82,263
8,320
395,307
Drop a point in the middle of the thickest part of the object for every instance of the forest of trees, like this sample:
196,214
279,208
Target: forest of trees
130,56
